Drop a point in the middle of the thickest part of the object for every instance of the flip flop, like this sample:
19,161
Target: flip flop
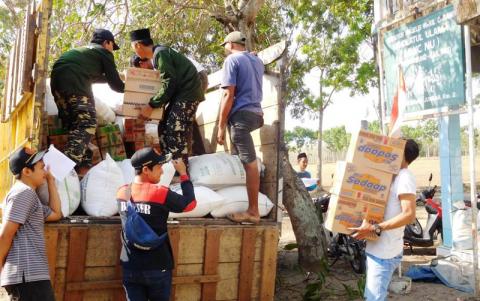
243,218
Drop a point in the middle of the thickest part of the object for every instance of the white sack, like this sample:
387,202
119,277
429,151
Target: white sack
168,173
207,200
99,188
236,201
127,170
68,190
105,115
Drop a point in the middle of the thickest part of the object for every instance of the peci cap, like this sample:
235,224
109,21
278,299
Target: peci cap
24,157
148,156
235,37
100,35
140,34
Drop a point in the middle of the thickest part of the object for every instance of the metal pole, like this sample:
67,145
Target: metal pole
471,145
381,86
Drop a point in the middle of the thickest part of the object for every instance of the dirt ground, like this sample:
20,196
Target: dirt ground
291,281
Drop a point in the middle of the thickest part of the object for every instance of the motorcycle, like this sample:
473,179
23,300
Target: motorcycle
418,236
427,193
342,245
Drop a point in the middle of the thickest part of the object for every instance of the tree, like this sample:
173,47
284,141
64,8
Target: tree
375,127
331,33
299,137
337,139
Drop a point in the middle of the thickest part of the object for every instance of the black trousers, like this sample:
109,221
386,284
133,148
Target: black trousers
31,291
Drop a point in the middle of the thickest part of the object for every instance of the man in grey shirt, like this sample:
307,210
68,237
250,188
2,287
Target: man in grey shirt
23,260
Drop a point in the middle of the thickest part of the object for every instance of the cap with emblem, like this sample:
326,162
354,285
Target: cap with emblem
148,156
100,35
24,157
235,37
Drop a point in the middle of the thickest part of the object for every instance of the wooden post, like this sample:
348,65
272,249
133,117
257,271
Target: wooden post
269,264
210,265
77,251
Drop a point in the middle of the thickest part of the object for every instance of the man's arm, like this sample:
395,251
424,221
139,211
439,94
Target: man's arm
54,202
408,204
7,233
111,73
225,108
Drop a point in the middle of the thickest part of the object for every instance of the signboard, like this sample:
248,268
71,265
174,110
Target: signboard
429,53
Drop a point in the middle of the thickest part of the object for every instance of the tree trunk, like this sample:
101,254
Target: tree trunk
305,222
319,147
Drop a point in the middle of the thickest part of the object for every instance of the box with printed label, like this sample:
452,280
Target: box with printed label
109,135
117,152
344,213
376,151
59,141
133,110
142,80
361,183
133,73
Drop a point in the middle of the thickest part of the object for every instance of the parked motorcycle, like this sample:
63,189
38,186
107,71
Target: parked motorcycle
341,245
415,234
427,193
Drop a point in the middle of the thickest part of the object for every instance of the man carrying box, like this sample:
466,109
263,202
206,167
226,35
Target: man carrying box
385,254
71,83
181,92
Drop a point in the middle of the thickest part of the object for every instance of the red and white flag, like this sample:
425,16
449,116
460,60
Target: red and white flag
398,106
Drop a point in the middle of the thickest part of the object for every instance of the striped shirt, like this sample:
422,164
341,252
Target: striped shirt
27,257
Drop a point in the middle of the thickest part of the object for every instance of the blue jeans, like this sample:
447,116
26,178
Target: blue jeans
153,285
379,275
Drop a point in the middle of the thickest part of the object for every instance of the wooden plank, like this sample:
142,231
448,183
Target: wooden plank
119,293
269,264
77,250
101,238
28,51
210,267
51,240
17,71
91,285
246,264
192,245
196,279
174,237
227,287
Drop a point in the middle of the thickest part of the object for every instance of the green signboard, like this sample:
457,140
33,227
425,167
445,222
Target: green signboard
430,54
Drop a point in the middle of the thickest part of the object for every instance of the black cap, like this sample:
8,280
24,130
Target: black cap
140,34
24,157
148,156
100,35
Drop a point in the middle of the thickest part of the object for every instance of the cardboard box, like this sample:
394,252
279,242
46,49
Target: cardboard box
109,135
96,155
361,183
117,152
54,125
344,213
59,141
376,151
139,136
133,110
139,145
133,73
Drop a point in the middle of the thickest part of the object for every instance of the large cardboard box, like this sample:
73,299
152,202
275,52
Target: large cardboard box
133,103
376,151
109,135
362,183
142,80
358,193
344,213
117,152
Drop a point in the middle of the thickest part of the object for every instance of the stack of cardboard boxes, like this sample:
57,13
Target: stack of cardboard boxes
109,139
140,86
362,184
134,134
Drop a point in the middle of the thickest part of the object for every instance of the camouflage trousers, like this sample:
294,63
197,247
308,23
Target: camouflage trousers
175,130
79,118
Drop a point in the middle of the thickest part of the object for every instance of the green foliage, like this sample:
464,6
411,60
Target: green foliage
425,132
337,139
290,247
358,292
464,137
299,137
313,290
375,127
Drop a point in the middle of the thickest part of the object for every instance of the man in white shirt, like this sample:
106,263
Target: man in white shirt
385,253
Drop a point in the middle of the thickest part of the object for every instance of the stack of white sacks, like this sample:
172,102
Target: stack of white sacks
219,183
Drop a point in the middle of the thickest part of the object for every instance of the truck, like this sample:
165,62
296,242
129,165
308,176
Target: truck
215,259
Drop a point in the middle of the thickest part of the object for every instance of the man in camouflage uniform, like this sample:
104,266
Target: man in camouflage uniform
71,83
181,93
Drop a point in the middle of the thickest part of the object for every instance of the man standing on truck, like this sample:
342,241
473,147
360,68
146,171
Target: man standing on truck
23,260
147,268
181,93
241,110
71,83
385,254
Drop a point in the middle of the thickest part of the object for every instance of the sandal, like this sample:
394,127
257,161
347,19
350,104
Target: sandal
243,218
